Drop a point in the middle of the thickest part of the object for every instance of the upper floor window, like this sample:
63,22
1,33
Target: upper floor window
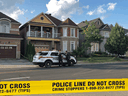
4,26
98,22
72,32
106,34
64,32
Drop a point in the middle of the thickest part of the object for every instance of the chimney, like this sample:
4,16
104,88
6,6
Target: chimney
50,14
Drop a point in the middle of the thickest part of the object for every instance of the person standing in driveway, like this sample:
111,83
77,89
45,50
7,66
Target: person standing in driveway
68,58
60,58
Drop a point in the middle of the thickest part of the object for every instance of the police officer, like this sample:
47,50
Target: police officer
60,58
68,58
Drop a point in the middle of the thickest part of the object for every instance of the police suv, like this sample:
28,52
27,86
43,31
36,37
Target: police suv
48,58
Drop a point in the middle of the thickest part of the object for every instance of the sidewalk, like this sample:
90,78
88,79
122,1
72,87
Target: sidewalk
22,63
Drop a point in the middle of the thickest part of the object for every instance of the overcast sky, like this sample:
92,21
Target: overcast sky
110,11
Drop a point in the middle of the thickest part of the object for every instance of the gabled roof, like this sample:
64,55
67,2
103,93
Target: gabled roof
2,15
53,19
83,24
104,27
68,21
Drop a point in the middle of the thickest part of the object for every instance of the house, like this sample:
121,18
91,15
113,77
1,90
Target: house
10,39
104,29
46,32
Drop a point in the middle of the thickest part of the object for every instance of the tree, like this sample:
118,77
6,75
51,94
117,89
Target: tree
91,35
30,51
117,43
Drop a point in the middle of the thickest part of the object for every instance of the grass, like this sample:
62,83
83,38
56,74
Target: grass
99,59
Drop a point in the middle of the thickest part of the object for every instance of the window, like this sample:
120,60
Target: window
4,26
41,18
98,22
2,47
64,46
64,32
43,53
54,54
6,47
106,34
72,46
72,32
96,47
10,47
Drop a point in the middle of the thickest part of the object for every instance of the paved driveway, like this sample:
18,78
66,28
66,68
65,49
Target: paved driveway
15,62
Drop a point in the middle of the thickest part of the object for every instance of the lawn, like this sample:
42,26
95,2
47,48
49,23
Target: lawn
99,59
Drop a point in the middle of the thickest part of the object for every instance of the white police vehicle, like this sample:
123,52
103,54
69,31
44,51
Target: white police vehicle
48,58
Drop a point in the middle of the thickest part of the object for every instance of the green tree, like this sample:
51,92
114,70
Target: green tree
92,34
117,43
30,51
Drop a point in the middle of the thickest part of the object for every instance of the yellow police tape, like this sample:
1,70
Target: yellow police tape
62,86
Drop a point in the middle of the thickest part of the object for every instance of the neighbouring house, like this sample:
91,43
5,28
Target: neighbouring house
10,38
46,32
104,29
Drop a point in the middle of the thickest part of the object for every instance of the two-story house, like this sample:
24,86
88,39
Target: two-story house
10,39
104,31
46,32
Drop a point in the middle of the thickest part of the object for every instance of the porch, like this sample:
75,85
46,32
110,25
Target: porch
42,32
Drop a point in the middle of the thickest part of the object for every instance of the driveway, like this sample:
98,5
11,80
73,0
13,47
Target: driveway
15,62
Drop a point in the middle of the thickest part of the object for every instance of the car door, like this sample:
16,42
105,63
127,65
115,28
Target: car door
54,55
64,58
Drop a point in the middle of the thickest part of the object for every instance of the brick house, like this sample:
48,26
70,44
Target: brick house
47,32
104,29
10,39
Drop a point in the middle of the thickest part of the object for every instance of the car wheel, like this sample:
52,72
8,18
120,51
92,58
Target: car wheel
72,63
41,65
48,64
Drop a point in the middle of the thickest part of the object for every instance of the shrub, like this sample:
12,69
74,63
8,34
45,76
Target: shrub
30,51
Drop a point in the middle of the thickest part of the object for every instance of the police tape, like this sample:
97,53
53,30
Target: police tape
62,86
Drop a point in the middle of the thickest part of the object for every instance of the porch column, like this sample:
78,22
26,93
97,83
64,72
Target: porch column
41,31
53,32
29,30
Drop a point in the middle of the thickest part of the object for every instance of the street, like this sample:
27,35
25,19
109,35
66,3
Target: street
80,71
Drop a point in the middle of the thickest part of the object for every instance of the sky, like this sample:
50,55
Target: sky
110,11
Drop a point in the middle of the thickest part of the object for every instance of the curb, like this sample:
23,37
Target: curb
78,63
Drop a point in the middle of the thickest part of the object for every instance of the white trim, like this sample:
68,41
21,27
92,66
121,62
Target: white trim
72,42
69,37
105,26
64,47
73,32
7,45
12,29
5,19
65,29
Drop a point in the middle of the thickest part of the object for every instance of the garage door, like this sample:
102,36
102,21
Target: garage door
41,48
7,52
